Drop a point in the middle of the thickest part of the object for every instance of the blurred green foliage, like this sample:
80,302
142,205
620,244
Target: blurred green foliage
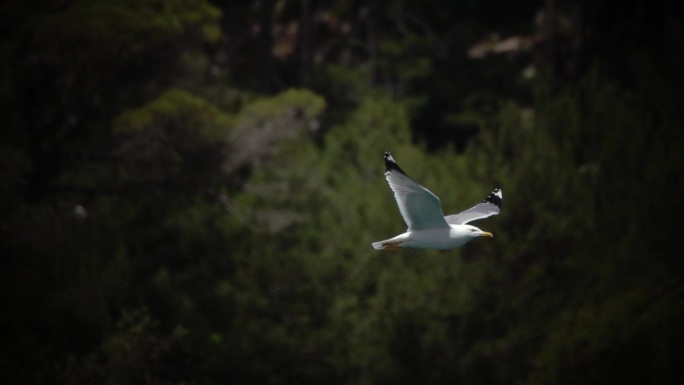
190,189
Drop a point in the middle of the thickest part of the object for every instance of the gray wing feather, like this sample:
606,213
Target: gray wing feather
420,208
488,207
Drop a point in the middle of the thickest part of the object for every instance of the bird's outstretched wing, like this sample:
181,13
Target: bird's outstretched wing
488,207
420,208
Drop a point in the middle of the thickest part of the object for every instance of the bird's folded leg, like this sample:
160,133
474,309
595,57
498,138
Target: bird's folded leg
390,246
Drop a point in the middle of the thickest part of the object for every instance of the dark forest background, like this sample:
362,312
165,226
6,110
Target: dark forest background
189,190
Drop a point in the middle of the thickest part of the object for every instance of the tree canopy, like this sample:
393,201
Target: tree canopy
190,189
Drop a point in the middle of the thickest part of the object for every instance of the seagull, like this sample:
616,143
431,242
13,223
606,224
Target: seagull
428,228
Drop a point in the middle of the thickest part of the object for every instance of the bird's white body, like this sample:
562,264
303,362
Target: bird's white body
440,239
428,228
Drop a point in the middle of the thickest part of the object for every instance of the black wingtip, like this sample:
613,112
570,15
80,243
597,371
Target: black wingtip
495,198
391,164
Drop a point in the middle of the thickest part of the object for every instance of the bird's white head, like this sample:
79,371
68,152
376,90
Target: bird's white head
475,232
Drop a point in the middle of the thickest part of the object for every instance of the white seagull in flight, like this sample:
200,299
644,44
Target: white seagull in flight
428,228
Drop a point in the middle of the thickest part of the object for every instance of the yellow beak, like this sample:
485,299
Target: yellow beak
487,234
